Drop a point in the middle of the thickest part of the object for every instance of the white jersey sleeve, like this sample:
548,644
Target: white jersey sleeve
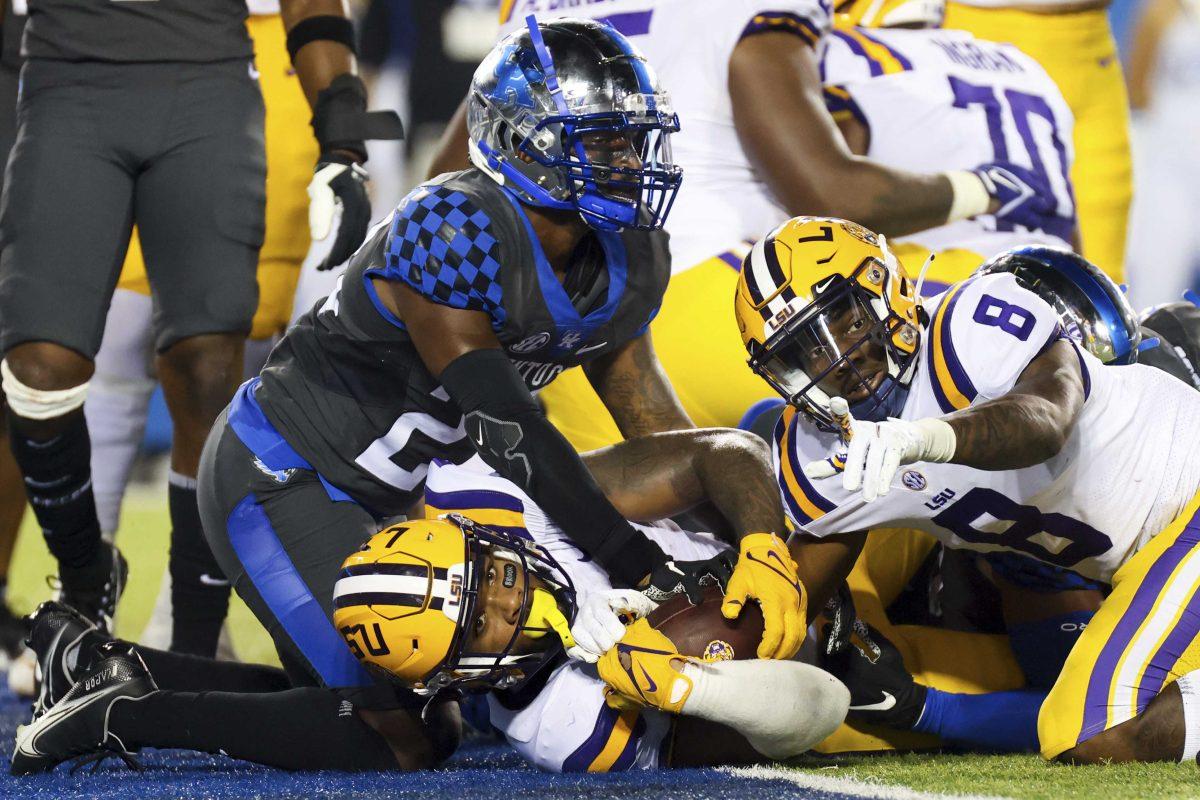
982,335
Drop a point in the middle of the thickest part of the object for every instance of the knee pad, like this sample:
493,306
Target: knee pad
33,403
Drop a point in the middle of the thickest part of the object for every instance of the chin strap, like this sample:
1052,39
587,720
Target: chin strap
921,277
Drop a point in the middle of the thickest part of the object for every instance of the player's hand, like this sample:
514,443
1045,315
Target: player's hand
1023,196
877,450
689,577
766,572
598,625
882,691
339,184
645,669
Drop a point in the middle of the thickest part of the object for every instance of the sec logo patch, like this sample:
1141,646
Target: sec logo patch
718,650
913,480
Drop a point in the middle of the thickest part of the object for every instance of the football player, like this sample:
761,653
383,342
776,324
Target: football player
478,624
758,146
912,96
1073,41
974,418
119,392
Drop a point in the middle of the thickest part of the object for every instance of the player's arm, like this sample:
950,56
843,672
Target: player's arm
780,116
634,388
511,433
823,563
1028,425
320,41
656,476
1025,426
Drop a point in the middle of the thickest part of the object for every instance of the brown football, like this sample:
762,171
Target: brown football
702,631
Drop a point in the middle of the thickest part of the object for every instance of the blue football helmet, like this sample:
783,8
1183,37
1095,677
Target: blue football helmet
568,115
1091,307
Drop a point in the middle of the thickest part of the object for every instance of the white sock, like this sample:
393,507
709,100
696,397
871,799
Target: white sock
1189,688
783,708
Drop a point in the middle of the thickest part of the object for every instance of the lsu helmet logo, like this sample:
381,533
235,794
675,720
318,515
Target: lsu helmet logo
718,650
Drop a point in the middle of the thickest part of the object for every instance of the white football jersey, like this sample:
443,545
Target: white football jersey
566,727
938,100
1129,466
722,201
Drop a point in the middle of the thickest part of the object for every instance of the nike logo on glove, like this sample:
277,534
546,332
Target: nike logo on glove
888,702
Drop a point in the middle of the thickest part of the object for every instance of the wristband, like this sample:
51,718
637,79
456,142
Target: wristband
970,196
938,440
324,28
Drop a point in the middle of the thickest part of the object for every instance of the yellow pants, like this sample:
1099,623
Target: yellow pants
1143,638
291,154
697,341
1078,51
952,661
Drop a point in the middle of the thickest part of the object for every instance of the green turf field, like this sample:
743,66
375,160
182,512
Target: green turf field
143,539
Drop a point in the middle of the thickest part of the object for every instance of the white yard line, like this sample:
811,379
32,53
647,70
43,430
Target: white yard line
817,781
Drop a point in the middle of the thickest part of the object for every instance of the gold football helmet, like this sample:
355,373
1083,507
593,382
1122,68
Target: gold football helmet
817,299
405,603
889,13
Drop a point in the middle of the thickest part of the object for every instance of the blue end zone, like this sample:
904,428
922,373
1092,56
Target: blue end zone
479,769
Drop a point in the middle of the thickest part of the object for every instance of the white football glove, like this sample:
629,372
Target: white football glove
598,628
877,450
338,192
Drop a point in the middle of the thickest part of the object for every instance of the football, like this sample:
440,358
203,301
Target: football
702,631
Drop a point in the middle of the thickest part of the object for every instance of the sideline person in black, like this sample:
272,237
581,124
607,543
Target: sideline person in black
150,113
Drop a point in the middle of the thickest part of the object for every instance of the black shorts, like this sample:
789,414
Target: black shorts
281,539
178,149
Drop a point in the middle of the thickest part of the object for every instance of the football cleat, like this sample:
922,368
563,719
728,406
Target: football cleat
78,725
63,641
98,601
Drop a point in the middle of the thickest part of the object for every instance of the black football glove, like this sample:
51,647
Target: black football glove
339,183
690,577
882,692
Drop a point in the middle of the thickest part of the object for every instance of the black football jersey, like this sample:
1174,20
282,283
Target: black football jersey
346,386
136,30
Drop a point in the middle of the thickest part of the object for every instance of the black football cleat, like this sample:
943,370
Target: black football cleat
96,597
77,726
63,640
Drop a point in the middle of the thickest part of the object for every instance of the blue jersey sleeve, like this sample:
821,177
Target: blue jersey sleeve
442,245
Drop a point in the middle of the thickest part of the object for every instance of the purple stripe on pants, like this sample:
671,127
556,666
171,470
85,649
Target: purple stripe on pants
1095,709
1178,640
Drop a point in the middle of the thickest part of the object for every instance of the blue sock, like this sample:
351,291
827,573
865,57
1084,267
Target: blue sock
997,721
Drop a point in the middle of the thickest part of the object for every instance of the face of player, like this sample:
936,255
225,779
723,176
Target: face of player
844,347
617,150
502,608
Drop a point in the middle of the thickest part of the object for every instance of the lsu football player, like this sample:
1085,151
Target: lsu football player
913,96
625,699
1073,41
757,146
447,604
974,418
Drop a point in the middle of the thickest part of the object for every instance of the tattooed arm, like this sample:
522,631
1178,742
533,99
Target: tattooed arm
656,476
1029,424
635,390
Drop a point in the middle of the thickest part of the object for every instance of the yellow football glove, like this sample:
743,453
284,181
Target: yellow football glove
644,669
765,572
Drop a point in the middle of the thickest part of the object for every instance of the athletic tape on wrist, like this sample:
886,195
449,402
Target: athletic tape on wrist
970,196
31,403
938,440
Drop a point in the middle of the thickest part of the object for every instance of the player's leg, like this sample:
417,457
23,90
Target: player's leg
1114,699
67,198
200,217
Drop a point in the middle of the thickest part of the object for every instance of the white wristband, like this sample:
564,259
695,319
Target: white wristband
938,440
970,195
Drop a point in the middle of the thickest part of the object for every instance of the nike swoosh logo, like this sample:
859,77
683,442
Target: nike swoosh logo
888,701
651,686
589,348
209,580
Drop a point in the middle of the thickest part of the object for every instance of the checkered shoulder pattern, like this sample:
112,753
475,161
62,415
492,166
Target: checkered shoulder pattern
440,244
